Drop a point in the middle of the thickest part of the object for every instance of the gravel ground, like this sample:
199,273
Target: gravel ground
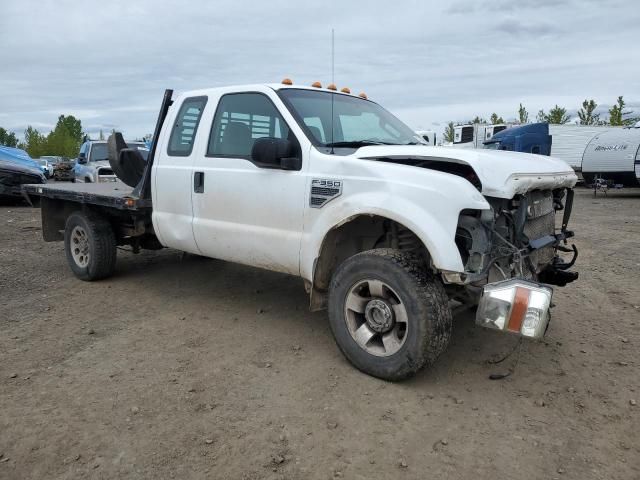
183,367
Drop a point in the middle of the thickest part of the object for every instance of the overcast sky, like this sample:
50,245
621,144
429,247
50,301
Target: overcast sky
108,62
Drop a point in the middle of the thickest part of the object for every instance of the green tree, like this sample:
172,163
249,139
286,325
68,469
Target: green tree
586,113
449,133
35,143
478,120
617,114
65,139
8,139
557,115
101,137
495,119
523,115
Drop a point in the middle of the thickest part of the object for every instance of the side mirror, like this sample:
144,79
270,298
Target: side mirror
82,158
271,152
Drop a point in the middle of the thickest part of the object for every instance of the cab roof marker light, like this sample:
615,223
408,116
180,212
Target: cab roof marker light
346,90
316,85
332,86
362,95
287,81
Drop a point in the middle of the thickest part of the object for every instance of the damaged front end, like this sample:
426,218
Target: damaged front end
516,239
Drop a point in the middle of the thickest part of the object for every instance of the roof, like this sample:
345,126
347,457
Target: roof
260,87
17,155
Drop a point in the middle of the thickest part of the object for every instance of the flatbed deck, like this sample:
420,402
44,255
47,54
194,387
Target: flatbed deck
112,194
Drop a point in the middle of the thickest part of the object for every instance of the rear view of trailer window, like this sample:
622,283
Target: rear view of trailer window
184,130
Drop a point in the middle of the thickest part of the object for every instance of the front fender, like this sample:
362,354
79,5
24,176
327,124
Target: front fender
433,219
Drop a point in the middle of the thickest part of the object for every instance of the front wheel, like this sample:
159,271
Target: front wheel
90,246
389,315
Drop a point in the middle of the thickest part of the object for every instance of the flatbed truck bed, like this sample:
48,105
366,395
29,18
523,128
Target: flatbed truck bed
112,194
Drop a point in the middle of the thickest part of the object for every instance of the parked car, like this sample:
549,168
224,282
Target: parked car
46,166
92,165
16,169
385,231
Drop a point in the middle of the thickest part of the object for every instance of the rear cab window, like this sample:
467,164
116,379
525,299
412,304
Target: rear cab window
185,127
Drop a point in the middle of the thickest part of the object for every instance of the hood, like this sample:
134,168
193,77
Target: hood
503,174
14,167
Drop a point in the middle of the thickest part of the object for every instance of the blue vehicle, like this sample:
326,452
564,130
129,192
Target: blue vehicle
16,169
92,165
531,138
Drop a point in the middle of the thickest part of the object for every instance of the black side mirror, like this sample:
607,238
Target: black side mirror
82,158
271,152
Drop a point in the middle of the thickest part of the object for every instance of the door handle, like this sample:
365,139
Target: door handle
198,182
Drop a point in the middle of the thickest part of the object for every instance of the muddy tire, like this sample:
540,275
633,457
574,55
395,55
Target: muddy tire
90,246
389,316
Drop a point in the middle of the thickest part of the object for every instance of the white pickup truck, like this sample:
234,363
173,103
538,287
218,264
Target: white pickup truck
386,232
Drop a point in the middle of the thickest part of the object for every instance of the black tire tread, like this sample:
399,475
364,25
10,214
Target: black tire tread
104,246
432,293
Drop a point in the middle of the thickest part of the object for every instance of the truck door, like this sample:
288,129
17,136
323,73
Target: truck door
243,212
172,176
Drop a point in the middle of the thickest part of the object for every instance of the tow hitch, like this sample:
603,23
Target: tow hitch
516,306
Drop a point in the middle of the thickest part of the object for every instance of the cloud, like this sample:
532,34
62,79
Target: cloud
462,7
514,27
109,62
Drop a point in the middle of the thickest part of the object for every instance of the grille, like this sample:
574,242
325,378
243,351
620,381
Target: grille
541,221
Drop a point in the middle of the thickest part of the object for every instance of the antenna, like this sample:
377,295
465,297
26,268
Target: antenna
332,81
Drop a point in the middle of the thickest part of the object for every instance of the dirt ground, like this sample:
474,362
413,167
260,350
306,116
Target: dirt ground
182,367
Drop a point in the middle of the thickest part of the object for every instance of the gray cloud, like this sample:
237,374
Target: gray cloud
514,27
462,7
109,62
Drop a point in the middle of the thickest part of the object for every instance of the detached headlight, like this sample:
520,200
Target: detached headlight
515,306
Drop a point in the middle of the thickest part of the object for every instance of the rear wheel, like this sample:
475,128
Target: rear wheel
389,316
90,246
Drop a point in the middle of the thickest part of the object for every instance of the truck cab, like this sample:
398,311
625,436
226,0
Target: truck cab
474,134
92,165
531,138
429,136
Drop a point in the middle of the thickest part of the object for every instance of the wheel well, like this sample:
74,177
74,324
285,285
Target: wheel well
358,234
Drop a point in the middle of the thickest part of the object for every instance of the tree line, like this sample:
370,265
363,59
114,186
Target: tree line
63,141
557,115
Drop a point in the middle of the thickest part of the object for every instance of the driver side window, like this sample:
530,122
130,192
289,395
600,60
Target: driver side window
240,119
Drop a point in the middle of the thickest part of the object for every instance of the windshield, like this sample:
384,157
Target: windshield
100,151
356,122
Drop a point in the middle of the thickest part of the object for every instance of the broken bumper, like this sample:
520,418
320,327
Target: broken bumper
515,306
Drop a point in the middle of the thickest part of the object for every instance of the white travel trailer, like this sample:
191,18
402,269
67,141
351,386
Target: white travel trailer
569,141
614,155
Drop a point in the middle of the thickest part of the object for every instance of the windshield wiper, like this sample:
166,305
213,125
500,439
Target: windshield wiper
356,143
